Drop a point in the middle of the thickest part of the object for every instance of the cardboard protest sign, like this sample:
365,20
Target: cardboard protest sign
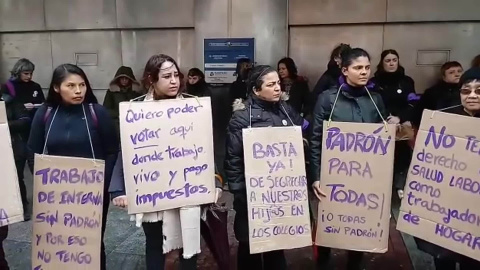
67,212
167,149
11,208
442,193
356,175
277,193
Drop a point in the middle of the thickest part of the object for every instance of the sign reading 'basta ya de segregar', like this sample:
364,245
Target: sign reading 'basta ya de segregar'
442,195
167,150
356,175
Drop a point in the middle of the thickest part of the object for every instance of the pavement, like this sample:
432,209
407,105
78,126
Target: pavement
125,243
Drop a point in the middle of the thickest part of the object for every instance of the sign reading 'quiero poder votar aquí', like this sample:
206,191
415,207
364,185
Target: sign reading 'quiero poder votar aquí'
356,175
167,149
442,194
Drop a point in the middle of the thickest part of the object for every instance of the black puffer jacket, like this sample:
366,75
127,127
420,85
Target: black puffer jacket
264,114
353,105
396,89
19,125
440,96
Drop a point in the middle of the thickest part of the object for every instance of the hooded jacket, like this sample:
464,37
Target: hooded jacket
116,94
396,90
353,105
440,96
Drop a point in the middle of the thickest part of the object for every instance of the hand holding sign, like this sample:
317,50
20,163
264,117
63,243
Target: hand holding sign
318,191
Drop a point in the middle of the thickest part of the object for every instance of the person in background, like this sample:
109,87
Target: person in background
476,61
397,91
196,84
238,89
443,95
123,87
354,101
19,124
21,86
161,79
330,77
263,107
23,90
469,96
296,87
72,124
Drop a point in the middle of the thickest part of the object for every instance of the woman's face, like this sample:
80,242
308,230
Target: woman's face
26,76
270,90
358,72
470,96
453,74
124,81
390,63
193,79
338,60
283,71
168,82
72,89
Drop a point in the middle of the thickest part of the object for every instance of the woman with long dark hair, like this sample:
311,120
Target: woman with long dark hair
295,86
398,93
77,126
161,79
356,102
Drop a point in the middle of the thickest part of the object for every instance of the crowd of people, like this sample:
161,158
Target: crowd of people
70,122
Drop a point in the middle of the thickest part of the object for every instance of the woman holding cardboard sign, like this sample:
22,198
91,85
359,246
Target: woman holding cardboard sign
355,103
264,107
445,259
161,79
72,124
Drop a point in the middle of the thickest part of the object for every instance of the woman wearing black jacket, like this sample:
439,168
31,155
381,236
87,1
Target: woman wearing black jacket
330,77
264,107
296,87
469,97
75,124
18,122
443,95
354,102
398,92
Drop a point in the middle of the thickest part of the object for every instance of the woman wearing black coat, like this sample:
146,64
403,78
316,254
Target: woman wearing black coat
330,77
264,107
469,97
398,92
296,87
354,102
443,95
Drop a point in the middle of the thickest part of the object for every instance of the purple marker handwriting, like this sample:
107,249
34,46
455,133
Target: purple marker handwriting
439,160
267,232
181,131
150,176
350,168
439,139
186,191
195,170
185,110
72,176
275,166
279,149
357,142
132,116
145,135
341,195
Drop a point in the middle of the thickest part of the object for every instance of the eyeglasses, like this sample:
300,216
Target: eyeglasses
466,91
